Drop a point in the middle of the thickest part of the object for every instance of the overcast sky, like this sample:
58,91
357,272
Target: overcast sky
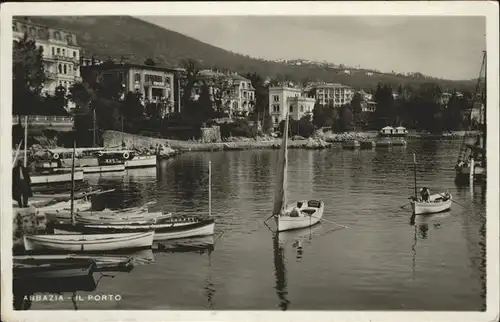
447,47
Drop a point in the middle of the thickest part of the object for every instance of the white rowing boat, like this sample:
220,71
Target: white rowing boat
301,214
90,242
438,202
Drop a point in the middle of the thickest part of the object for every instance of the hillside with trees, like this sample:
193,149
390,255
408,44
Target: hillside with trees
135,41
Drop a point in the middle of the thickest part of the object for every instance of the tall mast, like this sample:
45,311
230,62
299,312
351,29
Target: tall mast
73,184
26,141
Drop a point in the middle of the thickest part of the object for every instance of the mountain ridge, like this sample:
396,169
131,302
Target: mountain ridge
137,40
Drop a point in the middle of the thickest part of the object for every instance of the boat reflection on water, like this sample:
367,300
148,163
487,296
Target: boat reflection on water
200,245
295,238
196,244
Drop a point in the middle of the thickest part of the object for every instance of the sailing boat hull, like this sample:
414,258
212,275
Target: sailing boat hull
436,205
163,231
464,173
311,212
55,177
89,243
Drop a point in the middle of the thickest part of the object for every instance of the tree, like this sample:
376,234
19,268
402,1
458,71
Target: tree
357,113
205,103
267,125
261,93
82,94
222,91
192,69
385,105
28,75
149,62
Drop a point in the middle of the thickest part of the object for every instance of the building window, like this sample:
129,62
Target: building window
65,69
59,68
33,31
137,77
64,52
74,53
69,39
291,108
302,108
276,120
276,108
58,50
57,35
276,98
53,51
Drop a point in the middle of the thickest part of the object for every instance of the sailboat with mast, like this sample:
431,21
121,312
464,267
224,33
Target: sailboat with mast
471,162
297,215
87,242
435,203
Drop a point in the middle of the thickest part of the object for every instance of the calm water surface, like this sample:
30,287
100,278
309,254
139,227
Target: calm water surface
380,262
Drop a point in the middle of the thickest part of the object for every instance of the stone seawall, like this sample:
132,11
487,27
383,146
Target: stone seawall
114,139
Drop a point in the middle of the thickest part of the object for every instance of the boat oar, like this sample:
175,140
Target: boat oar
454,201
328,221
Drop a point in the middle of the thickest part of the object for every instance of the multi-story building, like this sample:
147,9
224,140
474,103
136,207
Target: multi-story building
239,101
287,99
243,99
61,53
334,95
155,83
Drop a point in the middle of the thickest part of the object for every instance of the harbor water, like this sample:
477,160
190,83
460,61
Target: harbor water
380,262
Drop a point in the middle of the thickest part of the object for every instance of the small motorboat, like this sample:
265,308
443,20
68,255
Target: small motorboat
438,202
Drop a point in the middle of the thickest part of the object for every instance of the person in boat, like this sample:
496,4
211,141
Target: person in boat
425,194
296,210
21,181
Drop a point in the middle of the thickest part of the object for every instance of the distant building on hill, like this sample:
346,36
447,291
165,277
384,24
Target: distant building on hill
155,83
61,54
335,95
287,99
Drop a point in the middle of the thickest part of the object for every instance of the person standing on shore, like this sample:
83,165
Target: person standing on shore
21,184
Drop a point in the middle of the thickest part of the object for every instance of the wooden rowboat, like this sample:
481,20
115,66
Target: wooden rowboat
89,243
102,262
437,203
171,229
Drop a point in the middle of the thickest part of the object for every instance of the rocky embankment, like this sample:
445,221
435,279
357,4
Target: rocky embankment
346,136
247,143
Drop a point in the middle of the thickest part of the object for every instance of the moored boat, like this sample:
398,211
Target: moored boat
302,214
50,268
437,203
351,144
90,242
57,176
172,229
141,161
102,262
297,215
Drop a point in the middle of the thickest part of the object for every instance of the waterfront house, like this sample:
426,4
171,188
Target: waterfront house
61,54
156,83
335,95
390,131
283,99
